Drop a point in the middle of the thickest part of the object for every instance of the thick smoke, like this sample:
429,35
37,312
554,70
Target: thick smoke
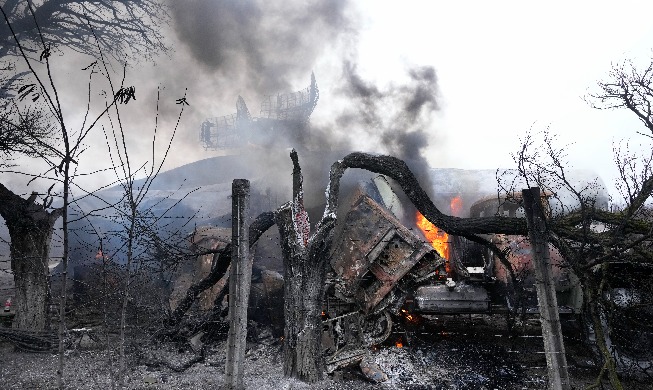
395,119
259,48
250,48
266,43
266,49
254,48
398,116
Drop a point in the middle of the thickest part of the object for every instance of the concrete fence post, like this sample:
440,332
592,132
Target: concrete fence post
240,279
554,347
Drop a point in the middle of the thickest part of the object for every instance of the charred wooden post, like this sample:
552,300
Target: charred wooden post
554,347
240,278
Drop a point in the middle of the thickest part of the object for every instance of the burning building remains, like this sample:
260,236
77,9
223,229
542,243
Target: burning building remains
283,115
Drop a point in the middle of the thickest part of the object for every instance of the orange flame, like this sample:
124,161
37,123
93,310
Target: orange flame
408,316
399,344
439,238
456,206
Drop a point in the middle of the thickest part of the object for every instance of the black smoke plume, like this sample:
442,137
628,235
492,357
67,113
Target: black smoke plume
266,43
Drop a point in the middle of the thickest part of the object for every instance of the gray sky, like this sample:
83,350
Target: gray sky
504,67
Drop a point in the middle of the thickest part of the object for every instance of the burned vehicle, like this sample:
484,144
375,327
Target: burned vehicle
384,271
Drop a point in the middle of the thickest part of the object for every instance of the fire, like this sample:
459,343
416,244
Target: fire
399,344
456,206
408,316
439,239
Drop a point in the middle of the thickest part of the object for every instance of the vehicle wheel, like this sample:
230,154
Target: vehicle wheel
375,328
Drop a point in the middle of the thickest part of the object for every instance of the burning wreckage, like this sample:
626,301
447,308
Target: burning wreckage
384,273
387,267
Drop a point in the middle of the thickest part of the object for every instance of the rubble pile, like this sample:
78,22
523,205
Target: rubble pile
455,364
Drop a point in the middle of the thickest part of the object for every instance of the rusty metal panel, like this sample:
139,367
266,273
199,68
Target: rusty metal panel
373,252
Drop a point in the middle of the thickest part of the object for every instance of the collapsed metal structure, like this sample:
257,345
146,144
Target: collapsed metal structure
385,271
281,116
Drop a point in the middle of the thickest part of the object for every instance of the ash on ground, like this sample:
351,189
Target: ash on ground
468,354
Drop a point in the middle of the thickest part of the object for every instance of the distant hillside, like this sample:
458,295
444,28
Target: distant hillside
213,170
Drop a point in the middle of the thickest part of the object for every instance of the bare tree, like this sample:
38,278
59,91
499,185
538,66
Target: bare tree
629,87
137,224
625,247
305,258
30,221
32,30
122,29
610,250
62,170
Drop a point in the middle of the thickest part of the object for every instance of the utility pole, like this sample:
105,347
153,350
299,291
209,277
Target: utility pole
240,280
554,347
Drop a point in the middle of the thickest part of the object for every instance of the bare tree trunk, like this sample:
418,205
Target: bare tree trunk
293,257
593,291
310,362
29,263
64,259
128,275
30,228
304,275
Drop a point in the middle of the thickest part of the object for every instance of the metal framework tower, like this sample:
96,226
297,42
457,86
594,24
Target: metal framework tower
283,115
